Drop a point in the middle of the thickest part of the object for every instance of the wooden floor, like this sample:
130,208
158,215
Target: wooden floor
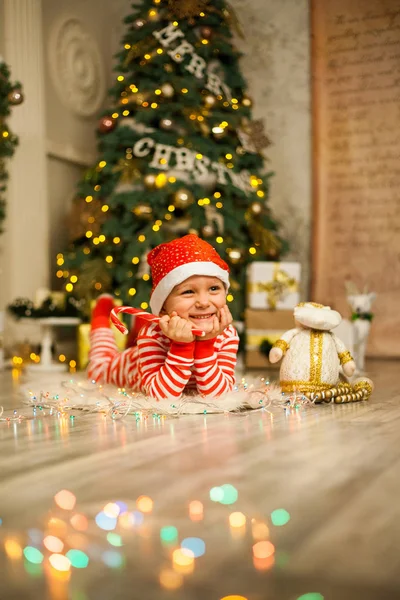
335,469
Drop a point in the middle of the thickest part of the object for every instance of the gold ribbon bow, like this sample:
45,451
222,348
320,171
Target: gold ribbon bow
281,285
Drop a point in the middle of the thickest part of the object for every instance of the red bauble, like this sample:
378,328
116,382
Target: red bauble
106,124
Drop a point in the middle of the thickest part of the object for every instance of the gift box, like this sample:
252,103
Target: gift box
264,326
84,343
273,285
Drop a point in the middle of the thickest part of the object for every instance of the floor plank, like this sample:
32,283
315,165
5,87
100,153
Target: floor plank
335,469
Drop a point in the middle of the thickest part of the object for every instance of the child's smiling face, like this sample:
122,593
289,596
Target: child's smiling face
197,299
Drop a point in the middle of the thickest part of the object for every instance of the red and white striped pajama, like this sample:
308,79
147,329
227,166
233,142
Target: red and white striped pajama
162,368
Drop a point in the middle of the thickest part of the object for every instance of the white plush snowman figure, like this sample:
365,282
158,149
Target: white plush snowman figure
312,356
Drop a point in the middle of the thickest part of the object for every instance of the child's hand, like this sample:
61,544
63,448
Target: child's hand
219,325
176,328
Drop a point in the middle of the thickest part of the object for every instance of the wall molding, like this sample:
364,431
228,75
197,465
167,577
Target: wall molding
68,153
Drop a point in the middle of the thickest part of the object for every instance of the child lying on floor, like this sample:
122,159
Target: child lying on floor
190,283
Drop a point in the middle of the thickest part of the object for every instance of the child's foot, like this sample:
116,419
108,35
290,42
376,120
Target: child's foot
101,312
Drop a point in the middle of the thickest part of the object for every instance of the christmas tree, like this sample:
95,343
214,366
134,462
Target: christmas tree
10,94
179,154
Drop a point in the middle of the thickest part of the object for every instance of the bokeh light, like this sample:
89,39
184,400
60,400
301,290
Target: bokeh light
105,522
78,559
216,494
111,510
79,522
60,562
170,580
53,543
229,494
113,559
263,549
195,545
13,549
33,555
311,596
169,534
237,519
196,510
57,527
259,530
114,539
280,517
263,564
65,499
144,504
235,597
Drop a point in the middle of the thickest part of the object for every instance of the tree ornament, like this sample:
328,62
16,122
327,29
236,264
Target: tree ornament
183,198
247,101
208,231
218,132
167,124
235,255
15,97
193,231
139,23
240,150
252,136
143,211
167,90
256,208
206,32
150,181
169,68
85,216
107,124
209,100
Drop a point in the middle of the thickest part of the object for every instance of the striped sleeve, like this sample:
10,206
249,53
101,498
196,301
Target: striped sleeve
164,369
214,363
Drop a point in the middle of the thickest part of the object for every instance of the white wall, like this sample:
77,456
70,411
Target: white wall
277,68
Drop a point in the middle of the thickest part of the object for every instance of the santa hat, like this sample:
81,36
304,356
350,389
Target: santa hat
174,262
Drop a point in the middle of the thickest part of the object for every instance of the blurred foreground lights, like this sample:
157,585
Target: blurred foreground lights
126,521
78,559
79,522
114,539
263,564
13,549
111,510
170,580
53,543
183,561
196,510
259,530
57,527
263,549
311,596
194,545
105,522
280,517
112,559
144,504
237,519
60,562
33,555
65,499
216,494
169,534
235,597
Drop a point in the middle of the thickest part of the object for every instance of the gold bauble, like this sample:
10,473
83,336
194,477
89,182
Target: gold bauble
235,255
143,211
167,90
209,100
256,208
149,181
153,15
247,101
15,97
183,198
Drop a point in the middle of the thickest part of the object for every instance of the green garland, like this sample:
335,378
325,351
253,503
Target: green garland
10,94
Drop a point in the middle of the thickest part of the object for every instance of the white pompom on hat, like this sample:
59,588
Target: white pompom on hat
174,262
